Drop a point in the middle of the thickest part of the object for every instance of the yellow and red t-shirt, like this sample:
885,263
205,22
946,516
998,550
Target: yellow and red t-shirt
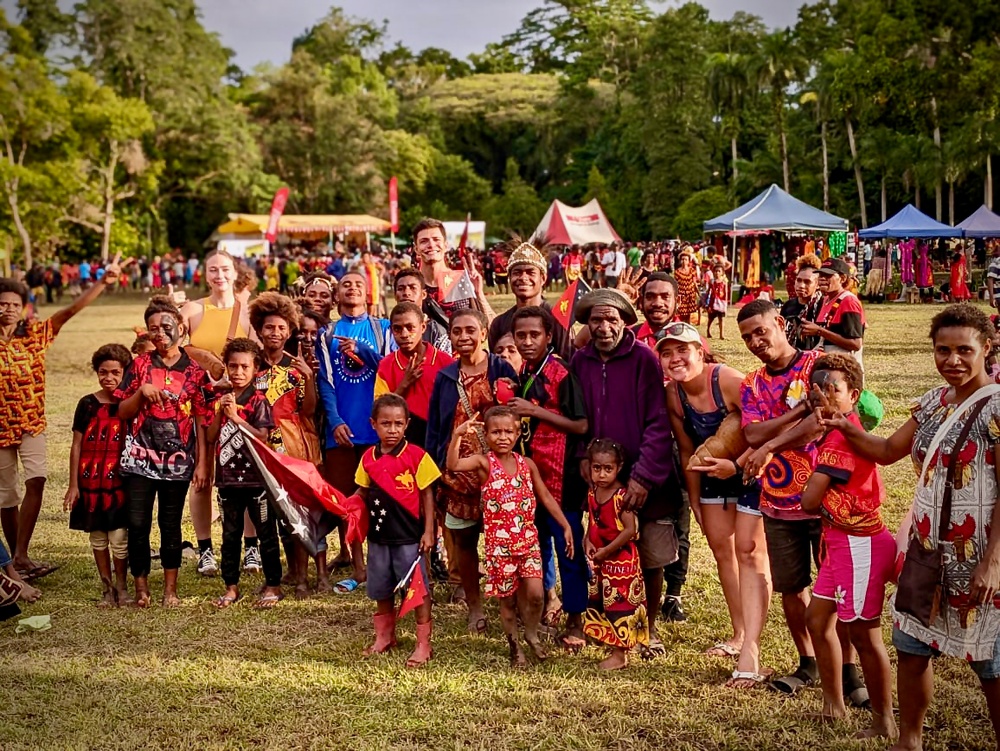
394,482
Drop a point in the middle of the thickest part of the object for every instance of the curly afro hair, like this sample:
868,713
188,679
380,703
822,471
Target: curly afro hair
841,363
808,261
115,352
964,316
241,344
268,304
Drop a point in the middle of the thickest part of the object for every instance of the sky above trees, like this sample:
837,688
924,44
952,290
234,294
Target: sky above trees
263,30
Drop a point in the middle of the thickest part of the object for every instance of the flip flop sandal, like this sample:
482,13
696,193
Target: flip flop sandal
39,571
551,617
346,586
225,601
572,644
266,602
480,626
792,684
654,649
748,675
722,649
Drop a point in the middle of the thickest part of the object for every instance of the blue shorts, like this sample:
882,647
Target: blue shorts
748,503
986,670
387,565
4,556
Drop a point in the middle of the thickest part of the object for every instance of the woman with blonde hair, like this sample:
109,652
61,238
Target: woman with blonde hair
212,321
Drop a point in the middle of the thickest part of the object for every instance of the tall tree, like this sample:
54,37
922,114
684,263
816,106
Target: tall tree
779,65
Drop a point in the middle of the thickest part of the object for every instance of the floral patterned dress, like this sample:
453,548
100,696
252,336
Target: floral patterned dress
962,629
616,613
687,292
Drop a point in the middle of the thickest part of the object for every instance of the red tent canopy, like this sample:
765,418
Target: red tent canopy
566,225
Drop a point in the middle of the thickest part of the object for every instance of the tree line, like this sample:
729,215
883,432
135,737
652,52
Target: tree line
126,126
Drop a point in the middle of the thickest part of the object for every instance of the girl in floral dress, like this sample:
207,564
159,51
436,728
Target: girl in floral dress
617,612
686,275
513,558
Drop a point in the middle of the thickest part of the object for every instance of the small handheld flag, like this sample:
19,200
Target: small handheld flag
415,587
565,308
455,285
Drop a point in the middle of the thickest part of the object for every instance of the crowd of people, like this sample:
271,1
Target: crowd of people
506,456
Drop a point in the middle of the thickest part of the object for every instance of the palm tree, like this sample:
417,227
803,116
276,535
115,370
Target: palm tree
778,65
881,150
728,84
818,95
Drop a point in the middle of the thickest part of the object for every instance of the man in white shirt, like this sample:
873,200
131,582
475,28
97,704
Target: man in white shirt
614,264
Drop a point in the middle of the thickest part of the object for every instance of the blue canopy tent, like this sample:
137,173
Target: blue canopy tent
909,222
983,223
776,210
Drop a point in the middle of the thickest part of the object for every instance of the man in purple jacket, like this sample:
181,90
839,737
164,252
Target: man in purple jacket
623,392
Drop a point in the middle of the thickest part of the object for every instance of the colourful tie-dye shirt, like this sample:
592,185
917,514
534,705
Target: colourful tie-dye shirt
765,395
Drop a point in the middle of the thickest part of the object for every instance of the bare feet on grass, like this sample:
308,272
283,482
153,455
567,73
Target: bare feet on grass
537,649
617,660
882,727
517,657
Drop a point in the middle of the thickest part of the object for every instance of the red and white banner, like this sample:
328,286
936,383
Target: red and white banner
394,204
277,209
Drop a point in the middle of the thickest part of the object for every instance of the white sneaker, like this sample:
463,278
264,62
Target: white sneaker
251,560
207,565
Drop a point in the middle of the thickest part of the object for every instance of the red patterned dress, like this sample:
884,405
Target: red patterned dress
101,505
511,538
616,615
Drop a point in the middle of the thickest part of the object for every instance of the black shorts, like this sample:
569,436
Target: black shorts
792,547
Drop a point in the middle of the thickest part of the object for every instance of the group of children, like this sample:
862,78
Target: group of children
160,417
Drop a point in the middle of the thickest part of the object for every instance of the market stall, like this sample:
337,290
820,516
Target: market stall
982,224
243,234
774,210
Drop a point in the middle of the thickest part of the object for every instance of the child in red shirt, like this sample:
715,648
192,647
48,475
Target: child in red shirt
859,552
410,371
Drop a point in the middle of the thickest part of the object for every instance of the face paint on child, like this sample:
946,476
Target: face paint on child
165,331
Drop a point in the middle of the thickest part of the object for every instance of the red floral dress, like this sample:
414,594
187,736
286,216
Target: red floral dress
616,614
511,538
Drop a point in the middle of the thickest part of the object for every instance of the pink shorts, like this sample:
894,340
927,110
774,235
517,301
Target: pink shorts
505,573
854,572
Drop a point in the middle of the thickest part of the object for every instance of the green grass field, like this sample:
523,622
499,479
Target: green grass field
294,678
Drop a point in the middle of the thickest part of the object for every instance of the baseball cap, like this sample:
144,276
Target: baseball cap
681,332
835,266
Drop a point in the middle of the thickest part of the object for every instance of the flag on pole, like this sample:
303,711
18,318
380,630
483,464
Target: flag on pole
277,209
394,204
299,494
565,308
454,285
415,587
463,244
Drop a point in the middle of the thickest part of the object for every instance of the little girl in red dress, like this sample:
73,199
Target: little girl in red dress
96,494
513,559
616,615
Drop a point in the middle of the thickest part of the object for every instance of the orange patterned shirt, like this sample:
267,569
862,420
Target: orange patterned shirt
22,381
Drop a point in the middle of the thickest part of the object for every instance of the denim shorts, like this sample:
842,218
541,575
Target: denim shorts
4,556
986,670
